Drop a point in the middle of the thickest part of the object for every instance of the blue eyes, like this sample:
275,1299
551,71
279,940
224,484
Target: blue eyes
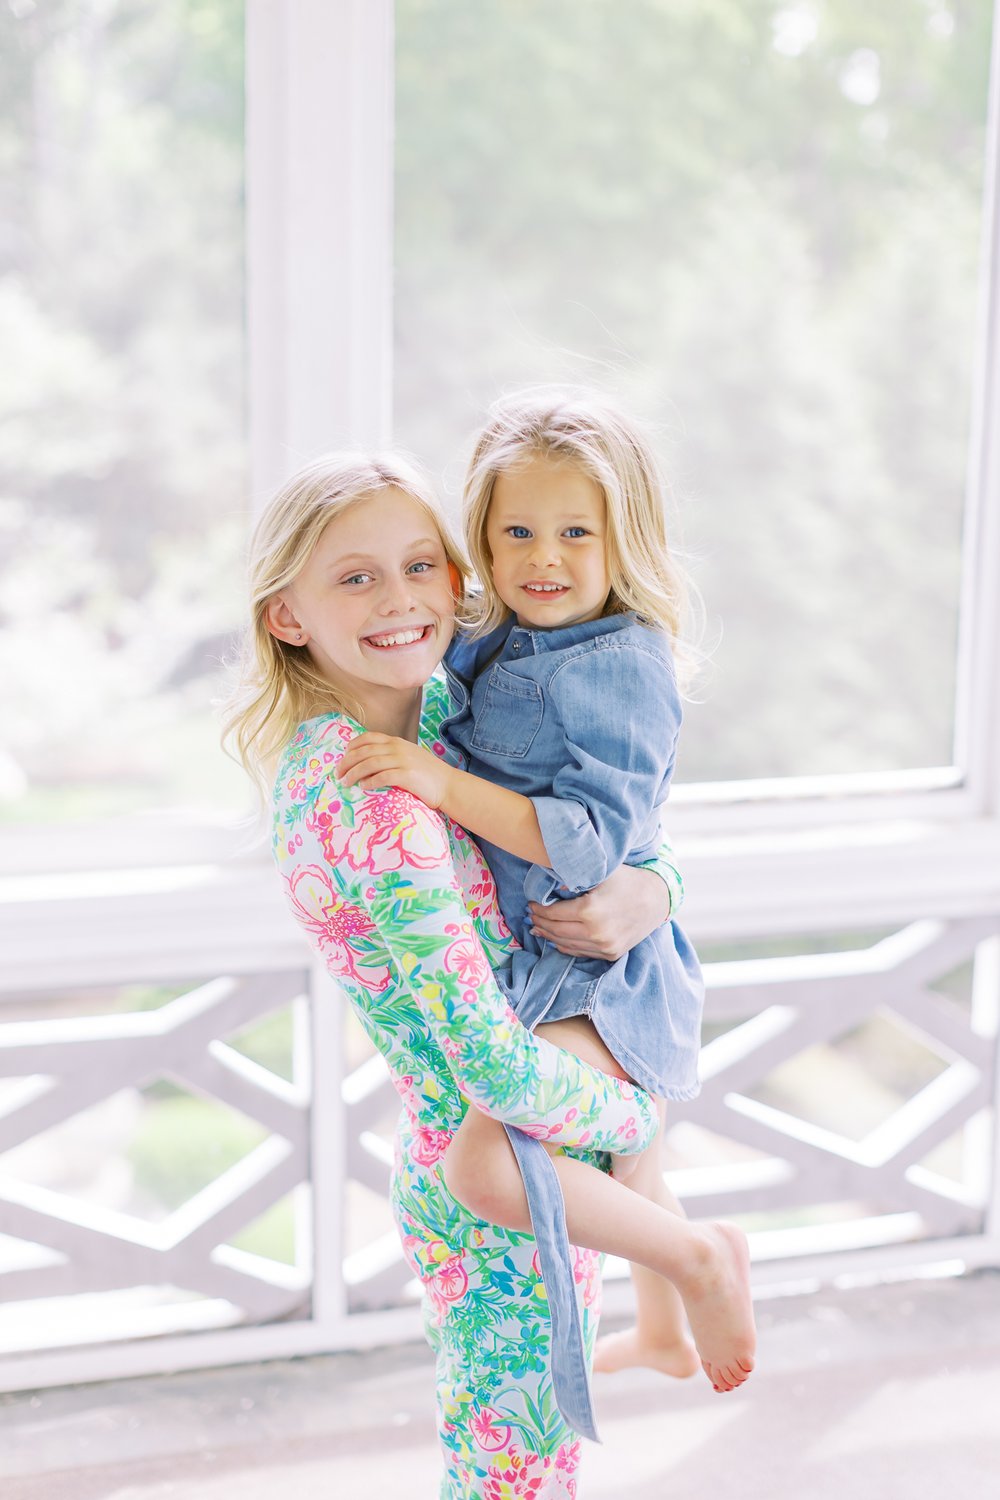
418,568
521,533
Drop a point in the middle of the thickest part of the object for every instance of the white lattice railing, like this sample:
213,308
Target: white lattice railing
832,1168
783,1166
69,1246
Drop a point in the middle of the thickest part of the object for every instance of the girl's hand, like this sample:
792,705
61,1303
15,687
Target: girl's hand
610,919
375,760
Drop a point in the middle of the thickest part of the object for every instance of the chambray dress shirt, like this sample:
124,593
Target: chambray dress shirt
584,721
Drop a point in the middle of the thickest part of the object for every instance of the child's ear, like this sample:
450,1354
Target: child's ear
281,621
457,586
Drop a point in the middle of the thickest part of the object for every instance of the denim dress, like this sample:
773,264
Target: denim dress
584,719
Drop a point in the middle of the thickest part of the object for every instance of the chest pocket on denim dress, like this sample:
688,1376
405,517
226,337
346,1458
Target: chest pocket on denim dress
508,716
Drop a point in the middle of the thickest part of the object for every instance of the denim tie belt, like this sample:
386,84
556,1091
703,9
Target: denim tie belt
568,1363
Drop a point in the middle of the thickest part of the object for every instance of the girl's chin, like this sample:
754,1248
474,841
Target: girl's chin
408,666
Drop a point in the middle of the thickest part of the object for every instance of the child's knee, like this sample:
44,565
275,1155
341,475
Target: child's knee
478,1176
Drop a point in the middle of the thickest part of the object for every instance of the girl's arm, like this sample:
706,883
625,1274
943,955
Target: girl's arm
617,914
603,797
620,715
492,812
503,1069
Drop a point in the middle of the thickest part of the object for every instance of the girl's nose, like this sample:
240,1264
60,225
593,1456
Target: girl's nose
396,597
545,554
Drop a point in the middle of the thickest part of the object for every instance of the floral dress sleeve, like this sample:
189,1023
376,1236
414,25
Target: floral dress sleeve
390,858
664,864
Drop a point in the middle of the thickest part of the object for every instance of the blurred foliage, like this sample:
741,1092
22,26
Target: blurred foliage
270,1042
122,462
184,1143
756,222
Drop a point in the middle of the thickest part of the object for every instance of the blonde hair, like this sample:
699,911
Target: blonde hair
587,430
278,685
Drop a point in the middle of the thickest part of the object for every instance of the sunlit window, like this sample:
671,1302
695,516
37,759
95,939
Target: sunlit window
122,444
759,226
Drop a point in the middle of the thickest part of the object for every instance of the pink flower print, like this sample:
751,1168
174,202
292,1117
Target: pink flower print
404,1088
489,1431
430,1145
335,730
451,1280
568,1457
332,923
514,1480
586,1274
392,830
466,959
542,1132
411,1247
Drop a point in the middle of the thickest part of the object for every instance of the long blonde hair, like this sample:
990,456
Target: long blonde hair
278,685
588,430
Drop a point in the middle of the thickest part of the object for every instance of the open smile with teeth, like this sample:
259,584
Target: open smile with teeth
399,637
546,588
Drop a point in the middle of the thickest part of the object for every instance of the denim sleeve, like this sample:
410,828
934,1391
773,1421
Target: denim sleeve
620,715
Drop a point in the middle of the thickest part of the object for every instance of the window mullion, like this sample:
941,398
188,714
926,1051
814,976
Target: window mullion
977,717
319,241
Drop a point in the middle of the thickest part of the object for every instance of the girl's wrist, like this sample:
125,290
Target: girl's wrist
450,788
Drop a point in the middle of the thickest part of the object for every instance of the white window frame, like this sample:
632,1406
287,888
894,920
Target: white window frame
760,858
320,90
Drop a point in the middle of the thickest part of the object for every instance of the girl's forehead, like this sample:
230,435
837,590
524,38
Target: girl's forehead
545,478
382,522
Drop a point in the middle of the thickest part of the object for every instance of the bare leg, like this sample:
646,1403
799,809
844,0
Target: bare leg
708,1262
659,1338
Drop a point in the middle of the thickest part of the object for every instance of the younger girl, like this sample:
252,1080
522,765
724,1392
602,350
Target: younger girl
567,714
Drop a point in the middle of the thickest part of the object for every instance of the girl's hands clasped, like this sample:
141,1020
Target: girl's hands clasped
609,920
373,760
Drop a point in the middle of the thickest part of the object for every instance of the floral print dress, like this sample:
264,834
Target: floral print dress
402,908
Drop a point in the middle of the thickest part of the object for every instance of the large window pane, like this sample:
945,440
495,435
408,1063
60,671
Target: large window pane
122,448
758,224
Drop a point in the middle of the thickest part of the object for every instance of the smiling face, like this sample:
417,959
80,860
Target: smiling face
546,534
373,605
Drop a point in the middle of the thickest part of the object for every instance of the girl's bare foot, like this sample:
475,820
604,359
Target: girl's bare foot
629,1350
717,1300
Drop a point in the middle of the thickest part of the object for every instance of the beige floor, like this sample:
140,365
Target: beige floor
877,1394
